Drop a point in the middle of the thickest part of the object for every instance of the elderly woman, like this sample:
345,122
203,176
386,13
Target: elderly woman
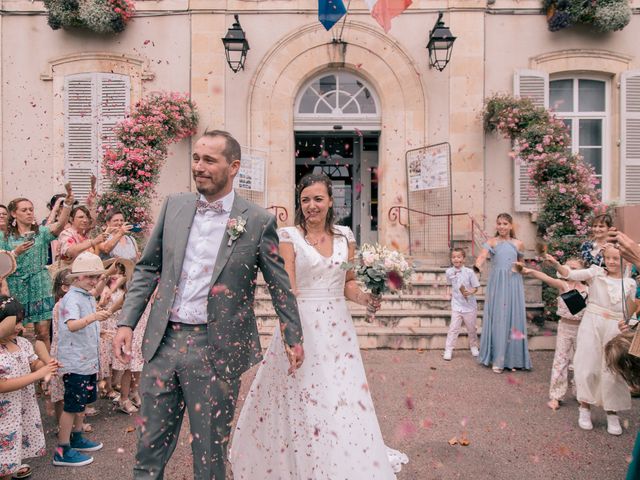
29,242
75,239
118,243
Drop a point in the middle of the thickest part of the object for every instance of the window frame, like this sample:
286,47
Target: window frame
576,115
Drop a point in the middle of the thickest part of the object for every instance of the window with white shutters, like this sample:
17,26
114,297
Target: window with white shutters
94,104
630,139
582,104
534,85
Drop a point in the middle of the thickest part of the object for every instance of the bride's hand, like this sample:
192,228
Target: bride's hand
295,354
374,302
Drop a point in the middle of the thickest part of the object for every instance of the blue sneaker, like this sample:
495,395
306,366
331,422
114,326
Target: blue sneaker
66,456
82,444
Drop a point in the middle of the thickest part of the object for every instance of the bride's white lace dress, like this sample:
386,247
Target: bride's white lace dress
319,423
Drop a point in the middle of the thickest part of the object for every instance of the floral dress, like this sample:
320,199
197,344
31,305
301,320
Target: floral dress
21,434
591,254
56,385
68,238
31,282
107,331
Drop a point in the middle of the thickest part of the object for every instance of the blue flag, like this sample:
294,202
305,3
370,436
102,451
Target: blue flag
330,12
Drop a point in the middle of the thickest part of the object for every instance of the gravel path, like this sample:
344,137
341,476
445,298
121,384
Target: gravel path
423,402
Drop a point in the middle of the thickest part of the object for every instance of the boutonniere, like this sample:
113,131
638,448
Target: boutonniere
235,228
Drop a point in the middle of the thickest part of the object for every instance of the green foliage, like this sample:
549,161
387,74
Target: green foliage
602,15
565,185
100,16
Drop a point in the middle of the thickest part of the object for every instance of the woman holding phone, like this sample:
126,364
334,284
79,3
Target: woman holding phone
29,242
119,244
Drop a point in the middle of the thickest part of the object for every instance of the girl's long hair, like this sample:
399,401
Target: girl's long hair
305,182
620,361
12,223
508,218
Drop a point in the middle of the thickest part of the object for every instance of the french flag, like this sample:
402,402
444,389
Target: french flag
330,12
384,10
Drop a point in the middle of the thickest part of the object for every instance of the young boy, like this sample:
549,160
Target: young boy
464,284
78,352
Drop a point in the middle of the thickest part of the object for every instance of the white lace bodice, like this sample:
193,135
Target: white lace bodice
317,275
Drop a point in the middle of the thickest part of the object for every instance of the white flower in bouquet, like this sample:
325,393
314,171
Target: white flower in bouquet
380,270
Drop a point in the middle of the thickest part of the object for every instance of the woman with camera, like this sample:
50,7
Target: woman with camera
119,244
29,243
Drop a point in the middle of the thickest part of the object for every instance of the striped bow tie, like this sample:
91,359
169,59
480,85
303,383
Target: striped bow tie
215,207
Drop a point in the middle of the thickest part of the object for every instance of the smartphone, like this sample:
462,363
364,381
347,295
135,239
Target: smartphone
136,227
28,236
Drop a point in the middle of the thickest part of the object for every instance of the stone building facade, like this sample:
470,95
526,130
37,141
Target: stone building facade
351,102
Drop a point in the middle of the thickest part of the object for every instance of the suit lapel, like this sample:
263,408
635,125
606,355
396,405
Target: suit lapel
183,219
239,207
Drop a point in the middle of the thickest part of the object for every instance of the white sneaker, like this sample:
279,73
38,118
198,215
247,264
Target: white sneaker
474,351
613,424
584,418
447,355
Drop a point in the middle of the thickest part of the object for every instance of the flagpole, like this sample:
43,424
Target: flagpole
344,21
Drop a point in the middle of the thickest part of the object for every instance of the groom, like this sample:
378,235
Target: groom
201,333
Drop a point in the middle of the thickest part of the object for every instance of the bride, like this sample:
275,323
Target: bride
319,422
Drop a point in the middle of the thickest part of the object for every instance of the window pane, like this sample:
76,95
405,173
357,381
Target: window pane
590,133
591,95
346,105
349,83
327,84
308,101
365,99
593,156
561,95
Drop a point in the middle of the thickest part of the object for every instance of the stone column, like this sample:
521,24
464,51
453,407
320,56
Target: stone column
466,97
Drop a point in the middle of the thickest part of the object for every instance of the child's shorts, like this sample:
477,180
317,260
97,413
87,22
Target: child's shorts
79,391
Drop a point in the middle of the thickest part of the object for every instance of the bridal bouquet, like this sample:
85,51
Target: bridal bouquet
380,270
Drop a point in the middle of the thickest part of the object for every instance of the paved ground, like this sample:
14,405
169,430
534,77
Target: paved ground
422,402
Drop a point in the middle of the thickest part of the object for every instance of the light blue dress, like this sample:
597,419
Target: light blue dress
504,325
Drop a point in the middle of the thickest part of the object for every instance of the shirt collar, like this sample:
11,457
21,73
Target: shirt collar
80,290
227,200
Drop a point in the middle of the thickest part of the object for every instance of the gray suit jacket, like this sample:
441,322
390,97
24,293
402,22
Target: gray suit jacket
233,334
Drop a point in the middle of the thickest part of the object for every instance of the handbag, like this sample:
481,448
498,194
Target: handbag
574,301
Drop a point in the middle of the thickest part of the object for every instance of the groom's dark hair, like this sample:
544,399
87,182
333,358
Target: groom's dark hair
232,150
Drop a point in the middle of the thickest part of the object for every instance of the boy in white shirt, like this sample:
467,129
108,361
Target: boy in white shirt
464,308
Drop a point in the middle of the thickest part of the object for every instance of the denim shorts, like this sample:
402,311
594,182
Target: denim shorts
79,391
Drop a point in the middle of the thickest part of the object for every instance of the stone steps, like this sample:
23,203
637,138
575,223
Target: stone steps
416,319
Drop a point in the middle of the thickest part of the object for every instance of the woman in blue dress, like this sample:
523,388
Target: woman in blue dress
503,343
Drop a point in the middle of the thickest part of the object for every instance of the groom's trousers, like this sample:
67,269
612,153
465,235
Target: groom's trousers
180,374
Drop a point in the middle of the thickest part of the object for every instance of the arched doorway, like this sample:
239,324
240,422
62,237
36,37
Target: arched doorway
336,130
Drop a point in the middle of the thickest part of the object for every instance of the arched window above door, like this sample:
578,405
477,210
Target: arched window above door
337,98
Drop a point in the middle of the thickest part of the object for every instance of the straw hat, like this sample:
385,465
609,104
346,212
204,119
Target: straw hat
86,263
128,265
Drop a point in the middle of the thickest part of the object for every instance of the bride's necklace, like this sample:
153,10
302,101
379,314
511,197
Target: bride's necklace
311,242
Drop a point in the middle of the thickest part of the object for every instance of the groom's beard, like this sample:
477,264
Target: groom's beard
214,186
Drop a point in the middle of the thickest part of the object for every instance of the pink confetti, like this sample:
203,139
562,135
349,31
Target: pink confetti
517,334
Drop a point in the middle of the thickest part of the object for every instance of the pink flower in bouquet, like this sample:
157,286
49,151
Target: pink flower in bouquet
368,258
395,280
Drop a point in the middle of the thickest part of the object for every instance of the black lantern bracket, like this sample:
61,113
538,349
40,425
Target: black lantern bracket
440,44
236,46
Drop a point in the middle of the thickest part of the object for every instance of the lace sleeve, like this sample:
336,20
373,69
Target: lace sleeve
349,234
284,235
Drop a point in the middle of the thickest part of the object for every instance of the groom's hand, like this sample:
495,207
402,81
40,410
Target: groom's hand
295,354
122,344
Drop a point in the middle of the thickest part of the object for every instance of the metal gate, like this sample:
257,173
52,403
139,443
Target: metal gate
429,199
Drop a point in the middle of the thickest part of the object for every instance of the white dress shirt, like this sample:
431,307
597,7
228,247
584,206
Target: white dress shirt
457,277
207,230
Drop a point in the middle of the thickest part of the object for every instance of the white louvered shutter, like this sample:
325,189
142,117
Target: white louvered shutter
630,140
94,104
534,85
80,150
114,94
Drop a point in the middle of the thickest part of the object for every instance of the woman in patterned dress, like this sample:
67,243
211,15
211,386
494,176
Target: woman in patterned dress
31,282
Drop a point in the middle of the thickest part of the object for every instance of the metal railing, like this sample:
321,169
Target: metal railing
477,235
280,212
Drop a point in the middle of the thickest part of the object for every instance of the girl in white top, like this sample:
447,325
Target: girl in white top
595,383
568,325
